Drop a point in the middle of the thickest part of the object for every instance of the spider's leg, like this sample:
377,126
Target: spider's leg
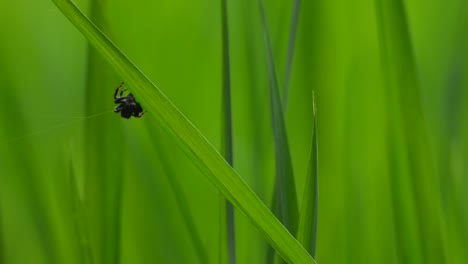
117,90
137,110
121,92
141,114
119,108
120,100
137,114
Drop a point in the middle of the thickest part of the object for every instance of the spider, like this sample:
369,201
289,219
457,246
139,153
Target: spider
128,106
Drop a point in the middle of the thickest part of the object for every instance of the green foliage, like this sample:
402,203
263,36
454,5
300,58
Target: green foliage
307,230
79,184
195,145
227,231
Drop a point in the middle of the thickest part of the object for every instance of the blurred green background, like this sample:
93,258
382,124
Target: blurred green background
390,83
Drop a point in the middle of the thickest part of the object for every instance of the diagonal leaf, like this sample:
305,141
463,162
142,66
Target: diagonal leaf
202,153
307,231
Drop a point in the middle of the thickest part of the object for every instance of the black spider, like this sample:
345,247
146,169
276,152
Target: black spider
128,106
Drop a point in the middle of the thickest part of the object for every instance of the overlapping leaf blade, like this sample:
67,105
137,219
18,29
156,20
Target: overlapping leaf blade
190,139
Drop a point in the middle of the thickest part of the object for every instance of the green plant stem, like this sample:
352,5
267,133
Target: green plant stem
195,145
2,239
182,203
79,217
290,56
286,189
408,142
307,231
103,193
228,154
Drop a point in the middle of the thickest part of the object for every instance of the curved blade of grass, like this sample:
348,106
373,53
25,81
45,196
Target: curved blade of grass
202,153
284,201
270,252
186,215
2,246
286,189
307,230
227,137
79,217
291,42
403,202
160,148
290,56
408,143
21,162
103,173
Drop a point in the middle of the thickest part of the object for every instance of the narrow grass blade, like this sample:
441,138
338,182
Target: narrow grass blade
223,254
27,200
187,217
181,200
79,218
2,239
195,145
286,189
227,132
270,252
103,178
408,143
284,200
286,84
307,231
453,153
290,56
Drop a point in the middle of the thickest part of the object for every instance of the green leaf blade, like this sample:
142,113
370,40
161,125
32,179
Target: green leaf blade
286,189
227,135
290,55
103,166
307,231
415,182
207,159
79,218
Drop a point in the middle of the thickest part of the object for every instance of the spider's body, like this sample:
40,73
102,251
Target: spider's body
128,106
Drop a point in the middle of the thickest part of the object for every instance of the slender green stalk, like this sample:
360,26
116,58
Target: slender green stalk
186,215
416,180
228,151
285,199
307,231
270,252
26,180
2,239
182,202
195,145
290,56
79,218
291,43
408,244
286,189
103,178
223,249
